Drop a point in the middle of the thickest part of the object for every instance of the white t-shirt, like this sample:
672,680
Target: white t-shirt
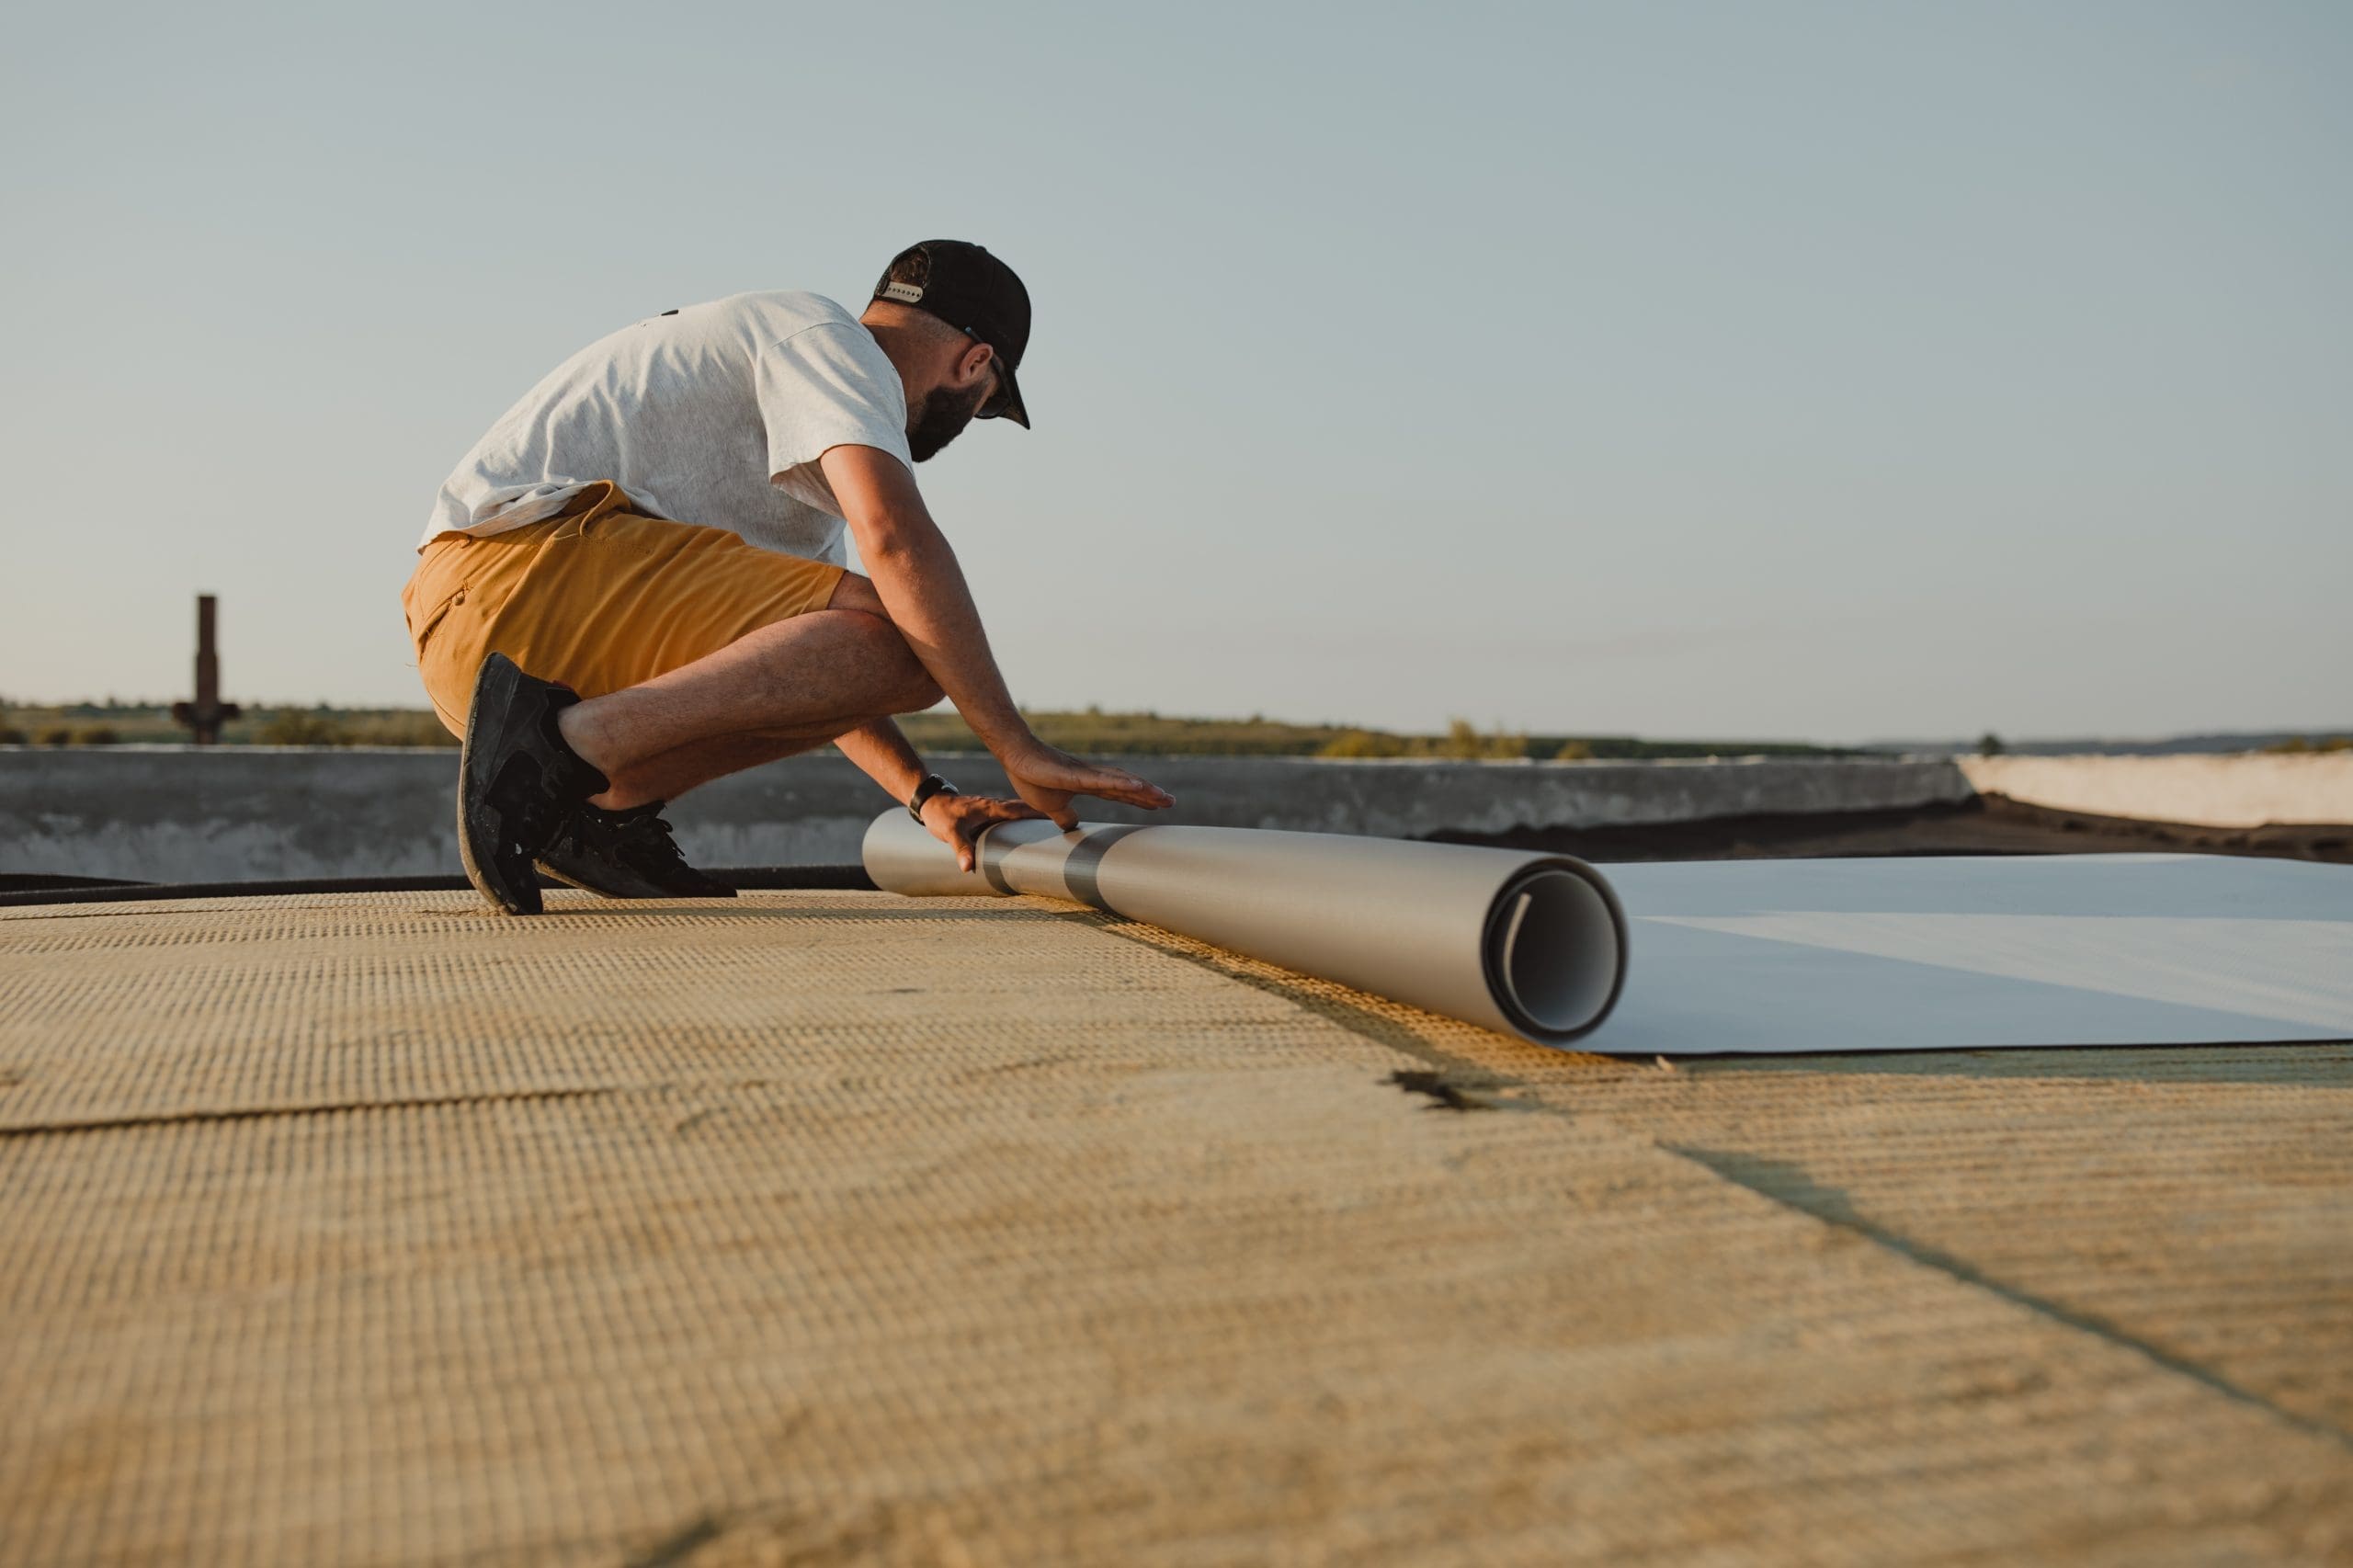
712,414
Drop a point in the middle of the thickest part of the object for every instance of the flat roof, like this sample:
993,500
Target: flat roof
833,1226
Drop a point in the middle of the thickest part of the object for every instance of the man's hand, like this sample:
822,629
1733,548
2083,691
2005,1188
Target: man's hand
1047,776
958,820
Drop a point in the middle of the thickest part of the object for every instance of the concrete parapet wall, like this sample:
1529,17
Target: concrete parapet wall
183,813
2208,792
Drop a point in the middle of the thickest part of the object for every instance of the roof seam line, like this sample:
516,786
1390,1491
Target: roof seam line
262,1113
1724,1167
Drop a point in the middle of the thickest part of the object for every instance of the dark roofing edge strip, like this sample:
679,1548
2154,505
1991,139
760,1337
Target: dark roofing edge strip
751,878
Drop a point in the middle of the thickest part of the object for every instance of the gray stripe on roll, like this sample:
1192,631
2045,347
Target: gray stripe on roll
995,847
1081,869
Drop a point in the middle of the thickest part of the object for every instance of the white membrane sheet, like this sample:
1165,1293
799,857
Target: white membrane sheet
1928,954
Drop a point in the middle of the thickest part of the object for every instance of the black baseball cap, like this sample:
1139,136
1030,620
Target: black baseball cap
970,289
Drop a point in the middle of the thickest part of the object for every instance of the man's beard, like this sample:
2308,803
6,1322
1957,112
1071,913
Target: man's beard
942,418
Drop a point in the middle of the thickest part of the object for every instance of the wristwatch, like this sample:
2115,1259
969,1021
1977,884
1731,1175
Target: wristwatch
932,784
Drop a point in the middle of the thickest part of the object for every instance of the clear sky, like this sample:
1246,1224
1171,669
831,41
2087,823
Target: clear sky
1819,371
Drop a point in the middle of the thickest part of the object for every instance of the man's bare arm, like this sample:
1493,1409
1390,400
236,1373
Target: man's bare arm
882,753
920,584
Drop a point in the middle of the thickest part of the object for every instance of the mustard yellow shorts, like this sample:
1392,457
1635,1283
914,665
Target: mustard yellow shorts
599,598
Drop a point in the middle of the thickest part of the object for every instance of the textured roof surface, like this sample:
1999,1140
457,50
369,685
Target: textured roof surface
834,1228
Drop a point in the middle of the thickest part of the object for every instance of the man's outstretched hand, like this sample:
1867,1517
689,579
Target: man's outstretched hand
958,820
1046,778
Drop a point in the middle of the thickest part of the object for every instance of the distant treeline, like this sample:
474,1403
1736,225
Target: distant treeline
1095,732
146,723
1092,732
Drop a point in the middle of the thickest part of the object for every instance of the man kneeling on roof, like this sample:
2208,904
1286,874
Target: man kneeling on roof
634,584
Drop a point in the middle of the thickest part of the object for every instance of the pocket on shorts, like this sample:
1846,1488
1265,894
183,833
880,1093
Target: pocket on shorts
421,628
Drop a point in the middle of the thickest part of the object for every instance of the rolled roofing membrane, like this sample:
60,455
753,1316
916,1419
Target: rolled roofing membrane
1956,952
1531,945
1912,953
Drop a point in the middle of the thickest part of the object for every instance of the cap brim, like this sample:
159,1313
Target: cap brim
1015,409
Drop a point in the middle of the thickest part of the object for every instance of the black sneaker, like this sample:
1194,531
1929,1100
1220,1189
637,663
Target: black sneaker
517,783
625,854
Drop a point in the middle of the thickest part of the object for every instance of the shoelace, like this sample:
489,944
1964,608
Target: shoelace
643,831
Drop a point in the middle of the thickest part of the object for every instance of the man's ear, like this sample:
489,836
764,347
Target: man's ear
973,364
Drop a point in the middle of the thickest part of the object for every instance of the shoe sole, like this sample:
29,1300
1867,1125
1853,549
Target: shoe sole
496,686
590,887
550,871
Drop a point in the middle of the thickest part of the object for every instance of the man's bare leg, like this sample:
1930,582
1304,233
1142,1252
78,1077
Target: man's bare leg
670,774
801,681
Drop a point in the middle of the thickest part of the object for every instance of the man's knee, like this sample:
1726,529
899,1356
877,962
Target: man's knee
854,591
913,690
910,688
921,692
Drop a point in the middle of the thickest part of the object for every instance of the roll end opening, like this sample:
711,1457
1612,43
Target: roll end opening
1555,952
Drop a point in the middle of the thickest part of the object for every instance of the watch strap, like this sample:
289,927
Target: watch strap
932,784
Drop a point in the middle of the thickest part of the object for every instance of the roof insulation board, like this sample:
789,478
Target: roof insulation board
836,1227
